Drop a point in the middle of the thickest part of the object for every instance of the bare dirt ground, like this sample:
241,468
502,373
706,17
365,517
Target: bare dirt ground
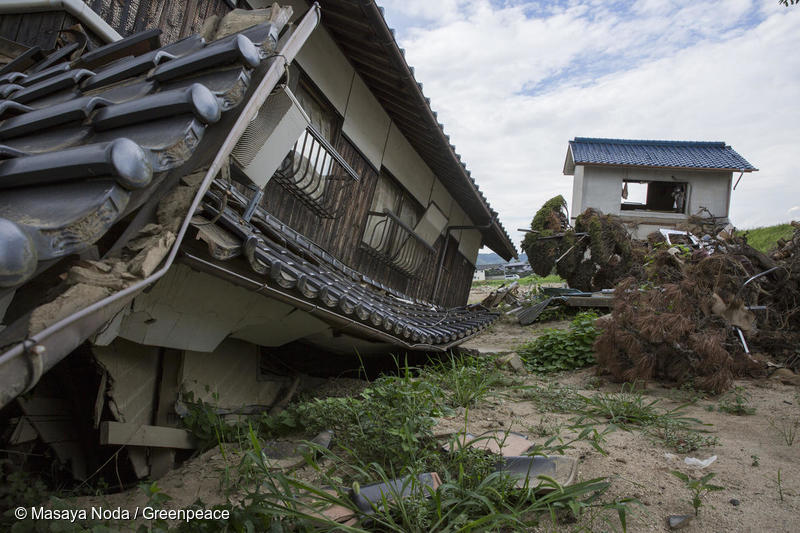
635,463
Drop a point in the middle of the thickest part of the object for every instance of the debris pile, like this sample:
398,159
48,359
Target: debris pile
685,308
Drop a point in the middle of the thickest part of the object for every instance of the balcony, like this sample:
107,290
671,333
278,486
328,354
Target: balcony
315,173
389,239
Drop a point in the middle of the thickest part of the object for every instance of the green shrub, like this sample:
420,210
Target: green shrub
559,349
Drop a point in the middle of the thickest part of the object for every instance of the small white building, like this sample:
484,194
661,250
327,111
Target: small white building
652,184
479,275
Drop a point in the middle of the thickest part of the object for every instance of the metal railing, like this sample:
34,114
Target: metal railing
315,173
391,240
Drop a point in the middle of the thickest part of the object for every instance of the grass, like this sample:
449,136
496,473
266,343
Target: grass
628,410
384,434
526,281
765,238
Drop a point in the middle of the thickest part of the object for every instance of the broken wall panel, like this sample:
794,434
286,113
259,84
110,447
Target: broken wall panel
39,29
174,314
228,377
133,378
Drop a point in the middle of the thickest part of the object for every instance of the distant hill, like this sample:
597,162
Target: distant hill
494,259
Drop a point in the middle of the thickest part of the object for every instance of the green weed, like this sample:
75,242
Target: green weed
698,488
557,350
736,402
465,380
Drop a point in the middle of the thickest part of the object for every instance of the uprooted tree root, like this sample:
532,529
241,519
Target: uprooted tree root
670,334
681,311
682,321
597,254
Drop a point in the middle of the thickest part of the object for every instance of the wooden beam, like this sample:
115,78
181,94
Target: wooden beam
121,434
590,301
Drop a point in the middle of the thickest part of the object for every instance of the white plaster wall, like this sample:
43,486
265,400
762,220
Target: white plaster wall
366,123
330,70
407,166
441,197
602,187
577,193
601,190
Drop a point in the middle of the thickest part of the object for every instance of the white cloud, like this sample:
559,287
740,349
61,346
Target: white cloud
513,84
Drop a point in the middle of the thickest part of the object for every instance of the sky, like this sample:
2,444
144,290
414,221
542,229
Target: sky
514,81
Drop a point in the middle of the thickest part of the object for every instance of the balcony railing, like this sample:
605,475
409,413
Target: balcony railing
392,241
315,173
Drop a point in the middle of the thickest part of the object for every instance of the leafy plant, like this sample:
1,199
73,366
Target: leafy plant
755,459
736,402
557,350
698,488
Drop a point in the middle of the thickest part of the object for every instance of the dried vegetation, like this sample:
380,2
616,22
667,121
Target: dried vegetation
682,312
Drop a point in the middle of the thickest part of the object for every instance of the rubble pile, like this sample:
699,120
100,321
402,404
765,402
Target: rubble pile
685,309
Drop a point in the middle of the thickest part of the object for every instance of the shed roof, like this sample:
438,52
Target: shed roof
699,155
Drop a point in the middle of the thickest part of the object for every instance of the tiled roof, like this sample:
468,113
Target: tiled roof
283,260
661,154
86,147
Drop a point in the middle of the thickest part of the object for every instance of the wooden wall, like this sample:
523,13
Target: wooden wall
175,18
36,29
342,237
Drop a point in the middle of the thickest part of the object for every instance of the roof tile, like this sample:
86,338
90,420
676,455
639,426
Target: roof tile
646,153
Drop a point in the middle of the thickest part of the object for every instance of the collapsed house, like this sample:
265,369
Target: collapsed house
175,206
653,184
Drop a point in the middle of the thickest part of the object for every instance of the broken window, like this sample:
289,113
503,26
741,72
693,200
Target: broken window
661,196
390,231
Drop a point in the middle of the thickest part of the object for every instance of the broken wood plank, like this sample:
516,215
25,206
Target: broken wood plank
590,301
119,433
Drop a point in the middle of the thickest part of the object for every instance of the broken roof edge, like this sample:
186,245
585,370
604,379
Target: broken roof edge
22,364
373,14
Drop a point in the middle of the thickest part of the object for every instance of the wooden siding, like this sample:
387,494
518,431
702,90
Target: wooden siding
176,18
36,29
342,237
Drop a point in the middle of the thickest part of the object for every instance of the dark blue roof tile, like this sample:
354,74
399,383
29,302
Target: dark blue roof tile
670,154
